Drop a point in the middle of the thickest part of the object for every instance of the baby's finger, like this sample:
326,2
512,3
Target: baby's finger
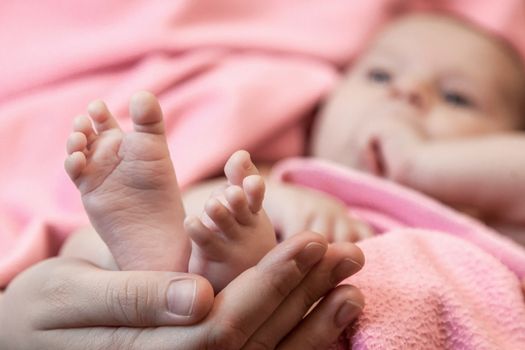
293,222
362,229
344,231
323,224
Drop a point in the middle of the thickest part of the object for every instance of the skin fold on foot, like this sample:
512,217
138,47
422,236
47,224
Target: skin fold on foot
129,187
234,232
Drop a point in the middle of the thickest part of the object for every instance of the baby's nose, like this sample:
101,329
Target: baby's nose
413,90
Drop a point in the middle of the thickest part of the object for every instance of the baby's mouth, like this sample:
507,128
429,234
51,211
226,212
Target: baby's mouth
375,161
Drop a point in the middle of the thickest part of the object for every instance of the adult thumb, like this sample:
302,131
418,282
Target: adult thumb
91,296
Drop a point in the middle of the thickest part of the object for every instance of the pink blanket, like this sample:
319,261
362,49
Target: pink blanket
230,74
435,277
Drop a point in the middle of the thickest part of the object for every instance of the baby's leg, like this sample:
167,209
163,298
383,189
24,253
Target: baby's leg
128,186
234,232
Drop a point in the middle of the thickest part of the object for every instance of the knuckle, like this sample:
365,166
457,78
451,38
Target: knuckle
53,287
57,289
132,301
275,283
309,297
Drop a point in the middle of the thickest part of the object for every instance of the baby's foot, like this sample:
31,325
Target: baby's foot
234,232
128,186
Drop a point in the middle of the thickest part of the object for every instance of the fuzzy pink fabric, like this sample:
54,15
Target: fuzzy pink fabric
230,74
434,278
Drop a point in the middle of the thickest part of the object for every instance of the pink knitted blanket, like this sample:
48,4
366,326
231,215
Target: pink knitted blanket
433,278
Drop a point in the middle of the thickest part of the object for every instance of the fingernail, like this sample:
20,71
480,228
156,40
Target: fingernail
181,296
309,256
345,268
347,313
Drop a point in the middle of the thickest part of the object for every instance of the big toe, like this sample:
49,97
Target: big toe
238,167
146,113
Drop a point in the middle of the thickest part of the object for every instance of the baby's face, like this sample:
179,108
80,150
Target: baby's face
425,74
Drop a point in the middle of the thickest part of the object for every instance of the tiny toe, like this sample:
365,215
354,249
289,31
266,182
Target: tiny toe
199,233
74,164
238,204
82,124
101,116
146,113
254,188
76,142
221,217
239,166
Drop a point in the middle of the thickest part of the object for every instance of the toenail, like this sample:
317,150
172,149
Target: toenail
247,164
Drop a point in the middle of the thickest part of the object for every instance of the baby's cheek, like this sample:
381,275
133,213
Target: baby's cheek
453,123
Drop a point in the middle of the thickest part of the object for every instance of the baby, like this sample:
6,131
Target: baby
437,106
432,104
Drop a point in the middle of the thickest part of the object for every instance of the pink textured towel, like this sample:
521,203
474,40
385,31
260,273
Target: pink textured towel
450,283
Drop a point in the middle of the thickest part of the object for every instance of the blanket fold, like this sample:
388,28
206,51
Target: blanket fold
230,75
236,74
433,278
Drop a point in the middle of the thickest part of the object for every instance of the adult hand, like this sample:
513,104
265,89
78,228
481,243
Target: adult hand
68,303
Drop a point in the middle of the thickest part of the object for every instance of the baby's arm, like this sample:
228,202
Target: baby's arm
486,174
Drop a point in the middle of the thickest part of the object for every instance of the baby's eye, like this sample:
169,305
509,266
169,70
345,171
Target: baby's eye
457,99
379,75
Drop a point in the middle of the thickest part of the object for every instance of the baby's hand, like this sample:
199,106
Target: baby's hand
387,149
293,209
